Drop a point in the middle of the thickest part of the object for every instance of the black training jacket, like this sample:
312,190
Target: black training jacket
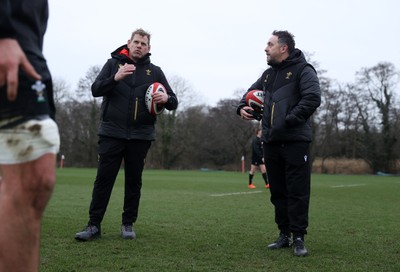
291,95
123,111
26,21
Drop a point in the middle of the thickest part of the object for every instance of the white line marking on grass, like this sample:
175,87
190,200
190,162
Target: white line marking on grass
348,185
237,193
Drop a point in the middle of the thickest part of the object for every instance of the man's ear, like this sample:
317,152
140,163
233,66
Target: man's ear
284,48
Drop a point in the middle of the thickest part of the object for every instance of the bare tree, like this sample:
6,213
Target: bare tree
78,119
167,149
84,85
379,83
227,136
61,91
327,121
187,96
211,137
61,97
191,135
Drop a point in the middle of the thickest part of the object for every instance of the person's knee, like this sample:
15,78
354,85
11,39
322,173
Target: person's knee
41,190
44,174
46,183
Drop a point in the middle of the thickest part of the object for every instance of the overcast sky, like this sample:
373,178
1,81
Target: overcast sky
217,46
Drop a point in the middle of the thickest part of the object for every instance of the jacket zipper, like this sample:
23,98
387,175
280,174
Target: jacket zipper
136,109
273,103
272,113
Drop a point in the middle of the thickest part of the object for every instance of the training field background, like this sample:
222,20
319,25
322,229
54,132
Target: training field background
211,221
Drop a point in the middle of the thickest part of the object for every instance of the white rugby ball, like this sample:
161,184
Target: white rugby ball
152,107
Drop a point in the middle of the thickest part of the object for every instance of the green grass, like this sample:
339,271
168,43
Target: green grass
201,221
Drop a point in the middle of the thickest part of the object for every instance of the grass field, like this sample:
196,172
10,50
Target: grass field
210,221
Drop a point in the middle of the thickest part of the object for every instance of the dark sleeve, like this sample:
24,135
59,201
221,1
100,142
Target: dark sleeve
105,82
7,29
172,103
310,99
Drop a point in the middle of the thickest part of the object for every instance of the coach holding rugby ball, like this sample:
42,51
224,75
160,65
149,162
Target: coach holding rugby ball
126,128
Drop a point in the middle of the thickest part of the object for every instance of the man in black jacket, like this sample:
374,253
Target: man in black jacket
292,94
29,138
126,129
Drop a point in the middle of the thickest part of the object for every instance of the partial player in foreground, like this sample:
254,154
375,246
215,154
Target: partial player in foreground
29,138
292,94
257,160
134,91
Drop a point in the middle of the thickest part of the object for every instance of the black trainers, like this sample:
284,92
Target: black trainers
90,232
282,241
298,247
127,232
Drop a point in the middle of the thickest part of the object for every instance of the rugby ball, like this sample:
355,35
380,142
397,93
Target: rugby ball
255,99
152,107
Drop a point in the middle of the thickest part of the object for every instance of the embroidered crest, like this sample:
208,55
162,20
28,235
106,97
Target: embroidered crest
288,75
148,72
39,88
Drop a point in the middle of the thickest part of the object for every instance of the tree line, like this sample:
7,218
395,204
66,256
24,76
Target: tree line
359,120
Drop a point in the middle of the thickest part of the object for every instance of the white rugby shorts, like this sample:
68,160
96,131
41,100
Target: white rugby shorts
29,141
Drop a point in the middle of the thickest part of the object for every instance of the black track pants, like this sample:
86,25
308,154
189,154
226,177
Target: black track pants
111,153
289,173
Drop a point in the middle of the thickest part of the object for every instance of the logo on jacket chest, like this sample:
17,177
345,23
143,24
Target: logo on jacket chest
148,71
287,76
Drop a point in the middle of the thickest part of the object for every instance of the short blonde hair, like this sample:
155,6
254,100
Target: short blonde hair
141,32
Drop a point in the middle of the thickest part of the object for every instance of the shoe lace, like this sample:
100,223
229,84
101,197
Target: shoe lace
91,228
281,239
299,243
127,228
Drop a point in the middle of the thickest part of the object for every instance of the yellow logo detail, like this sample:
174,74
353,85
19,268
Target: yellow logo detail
288,75
148,72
